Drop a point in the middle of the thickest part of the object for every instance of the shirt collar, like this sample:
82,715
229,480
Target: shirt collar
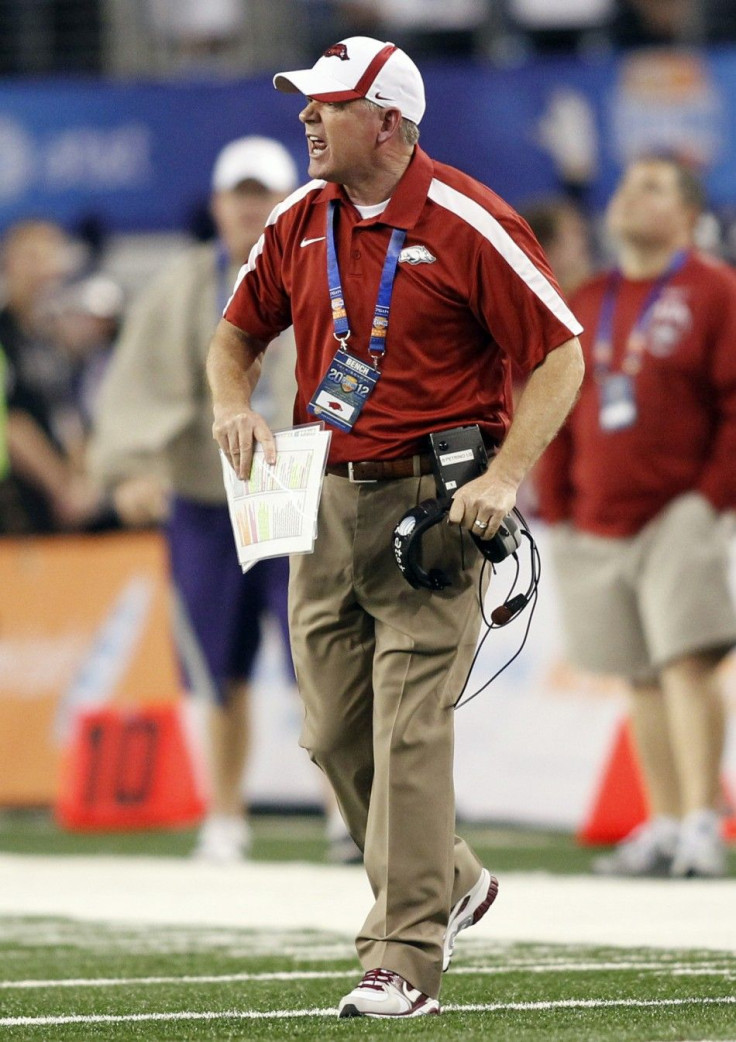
408,199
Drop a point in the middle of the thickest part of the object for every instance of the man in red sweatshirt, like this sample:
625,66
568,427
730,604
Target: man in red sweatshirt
635,487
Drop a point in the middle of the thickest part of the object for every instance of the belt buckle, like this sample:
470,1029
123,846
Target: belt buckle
359,481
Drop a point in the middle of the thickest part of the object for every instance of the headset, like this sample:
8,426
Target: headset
407,547
407,543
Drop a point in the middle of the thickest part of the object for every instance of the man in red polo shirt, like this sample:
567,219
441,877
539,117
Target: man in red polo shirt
415,288
635,486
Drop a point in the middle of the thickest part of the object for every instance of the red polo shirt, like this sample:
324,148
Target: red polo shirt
611,483
480,297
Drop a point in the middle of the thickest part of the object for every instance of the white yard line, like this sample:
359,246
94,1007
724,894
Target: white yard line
224,978
531,907
284,1014
667,968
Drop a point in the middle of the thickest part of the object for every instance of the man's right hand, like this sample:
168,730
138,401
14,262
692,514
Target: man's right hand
237,434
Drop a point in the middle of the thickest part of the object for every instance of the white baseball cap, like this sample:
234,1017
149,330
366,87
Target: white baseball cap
254,158
97,295
361,67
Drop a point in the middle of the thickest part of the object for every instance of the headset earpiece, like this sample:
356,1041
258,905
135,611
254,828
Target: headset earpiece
407,544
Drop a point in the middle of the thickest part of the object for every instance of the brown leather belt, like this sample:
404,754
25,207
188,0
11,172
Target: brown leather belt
383,469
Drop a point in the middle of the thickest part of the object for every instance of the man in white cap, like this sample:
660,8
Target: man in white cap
153,448
411,288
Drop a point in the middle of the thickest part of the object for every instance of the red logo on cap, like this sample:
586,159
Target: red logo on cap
338,50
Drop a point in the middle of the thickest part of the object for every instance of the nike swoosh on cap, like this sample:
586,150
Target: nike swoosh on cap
308,242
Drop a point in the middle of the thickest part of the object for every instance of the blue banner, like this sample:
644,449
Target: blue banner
139,156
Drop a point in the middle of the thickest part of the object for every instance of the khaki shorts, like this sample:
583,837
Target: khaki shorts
630,606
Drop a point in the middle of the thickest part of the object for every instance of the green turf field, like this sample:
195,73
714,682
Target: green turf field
97,982
62,979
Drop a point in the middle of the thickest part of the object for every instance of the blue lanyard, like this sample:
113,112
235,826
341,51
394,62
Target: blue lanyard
377,346
636,340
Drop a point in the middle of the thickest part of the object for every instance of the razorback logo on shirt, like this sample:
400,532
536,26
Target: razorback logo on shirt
416,255
338,50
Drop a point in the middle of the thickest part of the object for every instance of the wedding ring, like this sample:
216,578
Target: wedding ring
480,524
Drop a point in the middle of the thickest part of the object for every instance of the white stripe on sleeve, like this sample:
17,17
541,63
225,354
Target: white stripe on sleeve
279,209
479,218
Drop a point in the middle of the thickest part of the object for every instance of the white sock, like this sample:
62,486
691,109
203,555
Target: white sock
665,830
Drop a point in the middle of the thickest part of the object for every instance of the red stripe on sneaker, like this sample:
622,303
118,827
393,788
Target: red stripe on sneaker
423,1004
490,898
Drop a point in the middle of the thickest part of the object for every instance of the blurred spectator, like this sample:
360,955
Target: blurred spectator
565,234
91,231
634,488
199,35
46,490
567,131
153,447
439,28
546,26
50,36
326,21
566,237
85,318
4,460
640,23
719,21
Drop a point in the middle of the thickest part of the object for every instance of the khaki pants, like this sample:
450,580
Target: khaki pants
379,665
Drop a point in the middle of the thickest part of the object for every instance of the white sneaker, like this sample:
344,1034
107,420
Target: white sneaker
468,911
700,849
647,851
383,993
223,838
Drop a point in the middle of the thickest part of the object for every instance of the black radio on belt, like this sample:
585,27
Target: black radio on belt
458,456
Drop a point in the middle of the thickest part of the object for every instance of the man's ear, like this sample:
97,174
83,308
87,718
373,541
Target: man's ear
389,124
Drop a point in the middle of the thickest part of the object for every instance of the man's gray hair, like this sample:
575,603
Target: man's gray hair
408,131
